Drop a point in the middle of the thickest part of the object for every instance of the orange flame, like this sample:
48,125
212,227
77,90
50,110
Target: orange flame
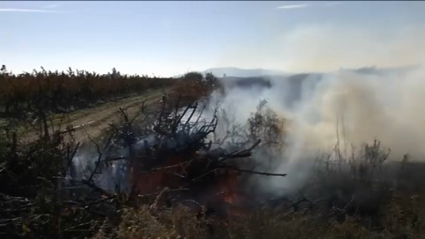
225,189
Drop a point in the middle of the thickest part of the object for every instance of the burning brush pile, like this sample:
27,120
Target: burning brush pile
174,172
173,155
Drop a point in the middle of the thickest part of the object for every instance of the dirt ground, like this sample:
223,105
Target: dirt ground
89,123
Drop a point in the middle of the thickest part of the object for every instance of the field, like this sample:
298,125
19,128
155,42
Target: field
60,92
92,121
155,173
79,99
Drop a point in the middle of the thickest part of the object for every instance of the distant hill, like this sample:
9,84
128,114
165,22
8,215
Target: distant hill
237,77
380,71
291,85
238,72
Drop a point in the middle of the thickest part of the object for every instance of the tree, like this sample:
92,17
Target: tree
210,78
115,73
195,76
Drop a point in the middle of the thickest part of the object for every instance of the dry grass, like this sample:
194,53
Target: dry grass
404,217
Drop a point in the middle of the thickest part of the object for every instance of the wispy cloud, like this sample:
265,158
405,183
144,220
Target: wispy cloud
26,10
293,6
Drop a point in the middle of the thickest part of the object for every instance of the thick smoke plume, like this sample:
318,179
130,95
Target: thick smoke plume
346,108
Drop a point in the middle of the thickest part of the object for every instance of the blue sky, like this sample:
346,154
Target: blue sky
169,38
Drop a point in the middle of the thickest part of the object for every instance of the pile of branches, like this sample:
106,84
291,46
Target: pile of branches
174,153
165,157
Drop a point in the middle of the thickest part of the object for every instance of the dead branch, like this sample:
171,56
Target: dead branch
255,172
155,203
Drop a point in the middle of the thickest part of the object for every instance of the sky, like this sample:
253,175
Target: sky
170,38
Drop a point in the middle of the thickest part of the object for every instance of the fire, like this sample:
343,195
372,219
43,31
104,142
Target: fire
227,192
151,182
204,179
228,184
148,183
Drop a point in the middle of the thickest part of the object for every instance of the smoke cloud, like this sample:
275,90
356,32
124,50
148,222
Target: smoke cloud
336,104
352,107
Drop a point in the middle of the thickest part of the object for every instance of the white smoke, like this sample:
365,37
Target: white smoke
348,106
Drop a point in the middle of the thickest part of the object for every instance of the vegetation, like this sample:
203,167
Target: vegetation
59,92
44,195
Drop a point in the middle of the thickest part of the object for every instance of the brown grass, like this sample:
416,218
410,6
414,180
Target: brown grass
404,217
